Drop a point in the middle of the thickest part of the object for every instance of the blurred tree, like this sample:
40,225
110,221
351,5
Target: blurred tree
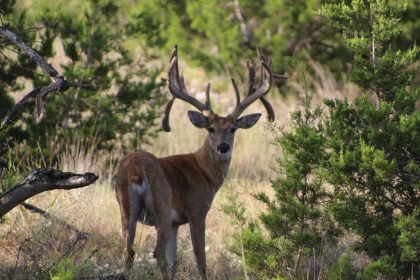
14,65
223,34
373,144
410,24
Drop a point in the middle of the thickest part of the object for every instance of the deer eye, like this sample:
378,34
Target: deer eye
211,130
233,129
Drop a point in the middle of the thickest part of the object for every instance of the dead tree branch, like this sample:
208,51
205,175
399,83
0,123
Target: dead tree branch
42,180
38,94
246,32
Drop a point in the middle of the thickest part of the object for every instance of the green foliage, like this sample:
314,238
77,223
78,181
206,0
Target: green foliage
64,270
368,151
296,216
409,239
235,210
373,144
265,257
114,96
344,269
15,66
383,268
295,222
410,20
222,34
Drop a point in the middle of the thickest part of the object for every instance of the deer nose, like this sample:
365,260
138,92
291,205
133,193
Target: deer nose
223,148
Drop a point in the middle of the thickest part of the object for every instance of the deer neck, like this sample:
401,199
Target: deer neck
211,164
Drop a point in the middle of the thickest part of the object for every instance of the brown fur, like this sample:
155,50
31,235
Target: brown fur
170,191
186,183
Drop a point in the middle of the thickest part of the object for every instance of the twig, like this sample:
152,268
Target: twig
18,255
47,68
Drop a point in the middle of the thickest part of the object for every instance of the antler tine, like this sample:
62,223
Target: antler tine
237,94
251,75
268,61
266,84
165,121
176,85
208,105
270,111
271,116
182,82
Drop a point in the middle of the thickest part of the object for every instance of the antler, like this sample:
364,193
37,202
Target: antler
176,85
253,94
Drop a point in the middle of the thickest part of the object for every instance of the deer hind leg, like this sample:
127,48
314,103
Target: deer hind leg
130,210
161,197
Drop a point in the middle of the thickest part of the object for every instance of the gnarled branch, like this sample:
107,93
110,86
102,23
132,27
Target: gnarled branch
42,180
38,94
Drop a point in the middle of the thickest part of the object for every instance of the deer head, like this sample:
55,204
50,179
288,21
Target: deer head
221,130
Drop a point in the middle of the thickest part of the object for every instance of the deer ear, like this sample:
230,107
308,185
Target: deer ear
247,121
198,119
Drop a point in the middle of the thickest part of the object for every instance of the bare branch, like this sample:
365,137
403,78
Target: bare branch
47,68
34,94
246,33
42,180
38,94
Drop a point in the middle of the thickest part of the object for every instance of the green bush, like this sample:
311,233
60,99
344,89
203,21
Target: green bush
64,270
343,269
373,144
295,225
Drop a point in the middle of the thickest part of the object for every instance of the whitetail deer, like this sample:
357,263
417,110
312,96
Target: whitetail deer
170,191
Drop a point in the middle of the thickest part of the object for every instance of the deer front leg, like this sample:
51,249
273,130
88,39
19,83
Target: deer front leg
172,251
197,230
160,251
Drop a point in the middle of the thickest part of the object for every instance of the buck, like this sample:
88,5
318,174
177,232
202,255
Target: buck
171,191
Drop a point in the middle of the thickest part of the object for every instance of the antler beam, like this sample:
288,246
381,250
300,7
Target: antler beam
263,88
176,85
251,75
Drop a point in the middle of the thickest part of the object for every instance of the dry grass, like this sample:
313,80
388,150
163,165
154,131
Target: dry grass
29,240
